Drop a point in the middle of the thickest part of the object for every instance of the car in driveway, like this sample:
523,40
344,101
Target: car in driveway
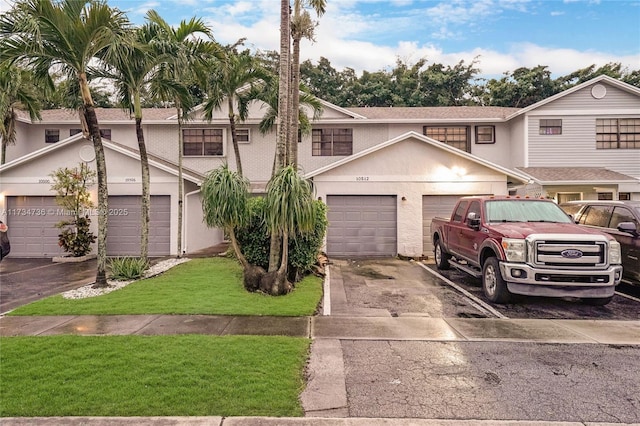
621,220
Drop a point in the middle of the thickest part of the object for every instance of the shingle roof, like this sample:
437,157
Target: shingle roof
104,114
450,112
575,174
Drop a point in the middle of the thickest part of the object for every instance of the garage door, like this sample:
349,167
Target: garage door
31,221
361,225
435,206
123,233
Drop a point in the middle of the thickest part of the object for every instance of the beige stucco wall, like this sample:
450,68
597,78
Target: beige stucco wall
124,178
410,169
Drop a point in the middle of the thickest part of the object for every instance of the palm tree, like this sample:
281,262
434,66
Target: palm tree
187,52
301,26
232,78
135,74
67,35
16,92
306,101
289,210
283,85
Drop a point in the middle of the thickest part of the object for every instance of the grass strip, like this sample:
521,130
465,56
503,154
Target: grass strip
187,375
210,286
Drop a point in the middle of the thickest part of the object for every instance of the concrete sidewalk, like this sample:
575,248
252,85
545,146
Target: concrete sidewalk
334,327
269,421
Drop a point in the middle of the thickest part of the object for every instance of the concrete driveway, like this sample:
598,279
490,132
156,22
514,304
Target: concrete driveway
24,280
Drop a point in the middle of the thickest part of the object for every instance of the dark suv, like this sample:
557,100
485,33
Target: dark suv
620,219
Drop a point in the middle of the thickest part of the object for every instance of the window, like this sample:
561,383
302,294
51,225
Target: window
621,214
51,135
457,216
105,133
485,134
329,142
624,196
550,127
457,137
202,142
473,208
596,216
605,196
242,135
74,132
618,133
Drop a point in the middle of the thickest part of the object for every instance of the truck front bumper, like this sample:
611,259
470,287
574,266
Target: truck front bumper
527,280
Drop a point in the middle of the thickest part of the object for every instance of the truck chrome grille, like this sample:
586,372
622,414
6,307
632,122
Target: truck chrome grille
574,254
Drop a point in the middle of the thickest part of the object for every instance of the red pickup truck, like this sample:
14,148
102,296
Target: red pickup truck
527,246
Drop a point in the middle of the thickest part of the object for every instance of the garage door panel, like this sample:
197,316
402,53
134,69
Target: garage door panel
361,225
124,229
435,206
31,221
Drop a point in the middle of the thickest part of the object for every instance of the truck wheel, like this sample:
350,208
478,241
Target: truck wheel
442,258
597,301
493,286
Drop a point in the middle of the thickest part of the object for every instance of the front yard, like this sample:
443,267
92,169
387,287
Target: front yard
184,375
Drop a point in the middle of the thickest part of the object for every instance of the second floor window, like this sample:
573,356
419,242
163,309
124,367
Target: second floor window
485,134
242,135
330,142
104,133
51,135
202,142
618,133
457,137
550,127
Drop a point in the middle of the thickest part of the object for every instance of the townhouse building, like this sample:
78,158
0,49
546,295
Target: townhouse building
383,172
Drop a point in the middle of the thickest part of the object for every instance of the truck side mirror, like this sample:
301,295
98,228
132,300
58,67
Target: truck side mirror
473,221
628,227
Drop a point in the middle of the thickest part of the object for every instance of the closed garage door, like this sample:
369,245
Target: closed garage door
361,225
435,206
31,221
123,234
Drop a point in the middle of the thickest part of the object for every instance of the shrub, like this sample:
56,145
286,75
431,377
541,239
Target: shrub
303,248
127,268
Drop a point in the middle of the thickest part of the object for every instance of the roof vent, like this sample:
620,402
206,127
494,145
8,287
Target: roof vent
598,91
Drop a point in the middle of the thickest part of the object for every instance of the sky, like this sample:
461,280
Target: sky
371,35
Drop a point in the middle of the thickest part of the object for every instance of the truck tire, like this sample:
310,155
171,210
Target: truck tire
441,257
494,287
597,301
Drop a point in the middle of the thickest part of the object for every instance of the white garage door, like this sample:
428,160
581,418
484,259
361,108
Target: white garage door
362,225
435,206
31,221
123,233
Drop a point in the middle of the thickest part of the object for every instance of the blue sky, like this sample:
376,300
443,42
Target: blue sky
369,35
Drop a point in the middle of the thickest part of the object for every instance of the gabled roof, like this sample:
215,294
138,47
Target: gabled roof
105,115
435,113
576,175
601,78
154,161
440,145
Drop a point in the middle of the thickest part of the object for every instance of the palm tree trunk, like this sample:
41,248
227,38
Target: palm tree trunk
295,103
4,152
146,196
234,136
103,193
283,84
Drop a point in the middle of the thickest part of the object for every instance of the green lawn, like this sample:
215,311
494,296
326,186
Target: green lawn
201,286
183,375
151,376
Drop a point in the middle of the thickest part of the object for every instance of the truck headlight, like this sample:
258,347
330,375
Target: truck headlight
515,250
615,255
